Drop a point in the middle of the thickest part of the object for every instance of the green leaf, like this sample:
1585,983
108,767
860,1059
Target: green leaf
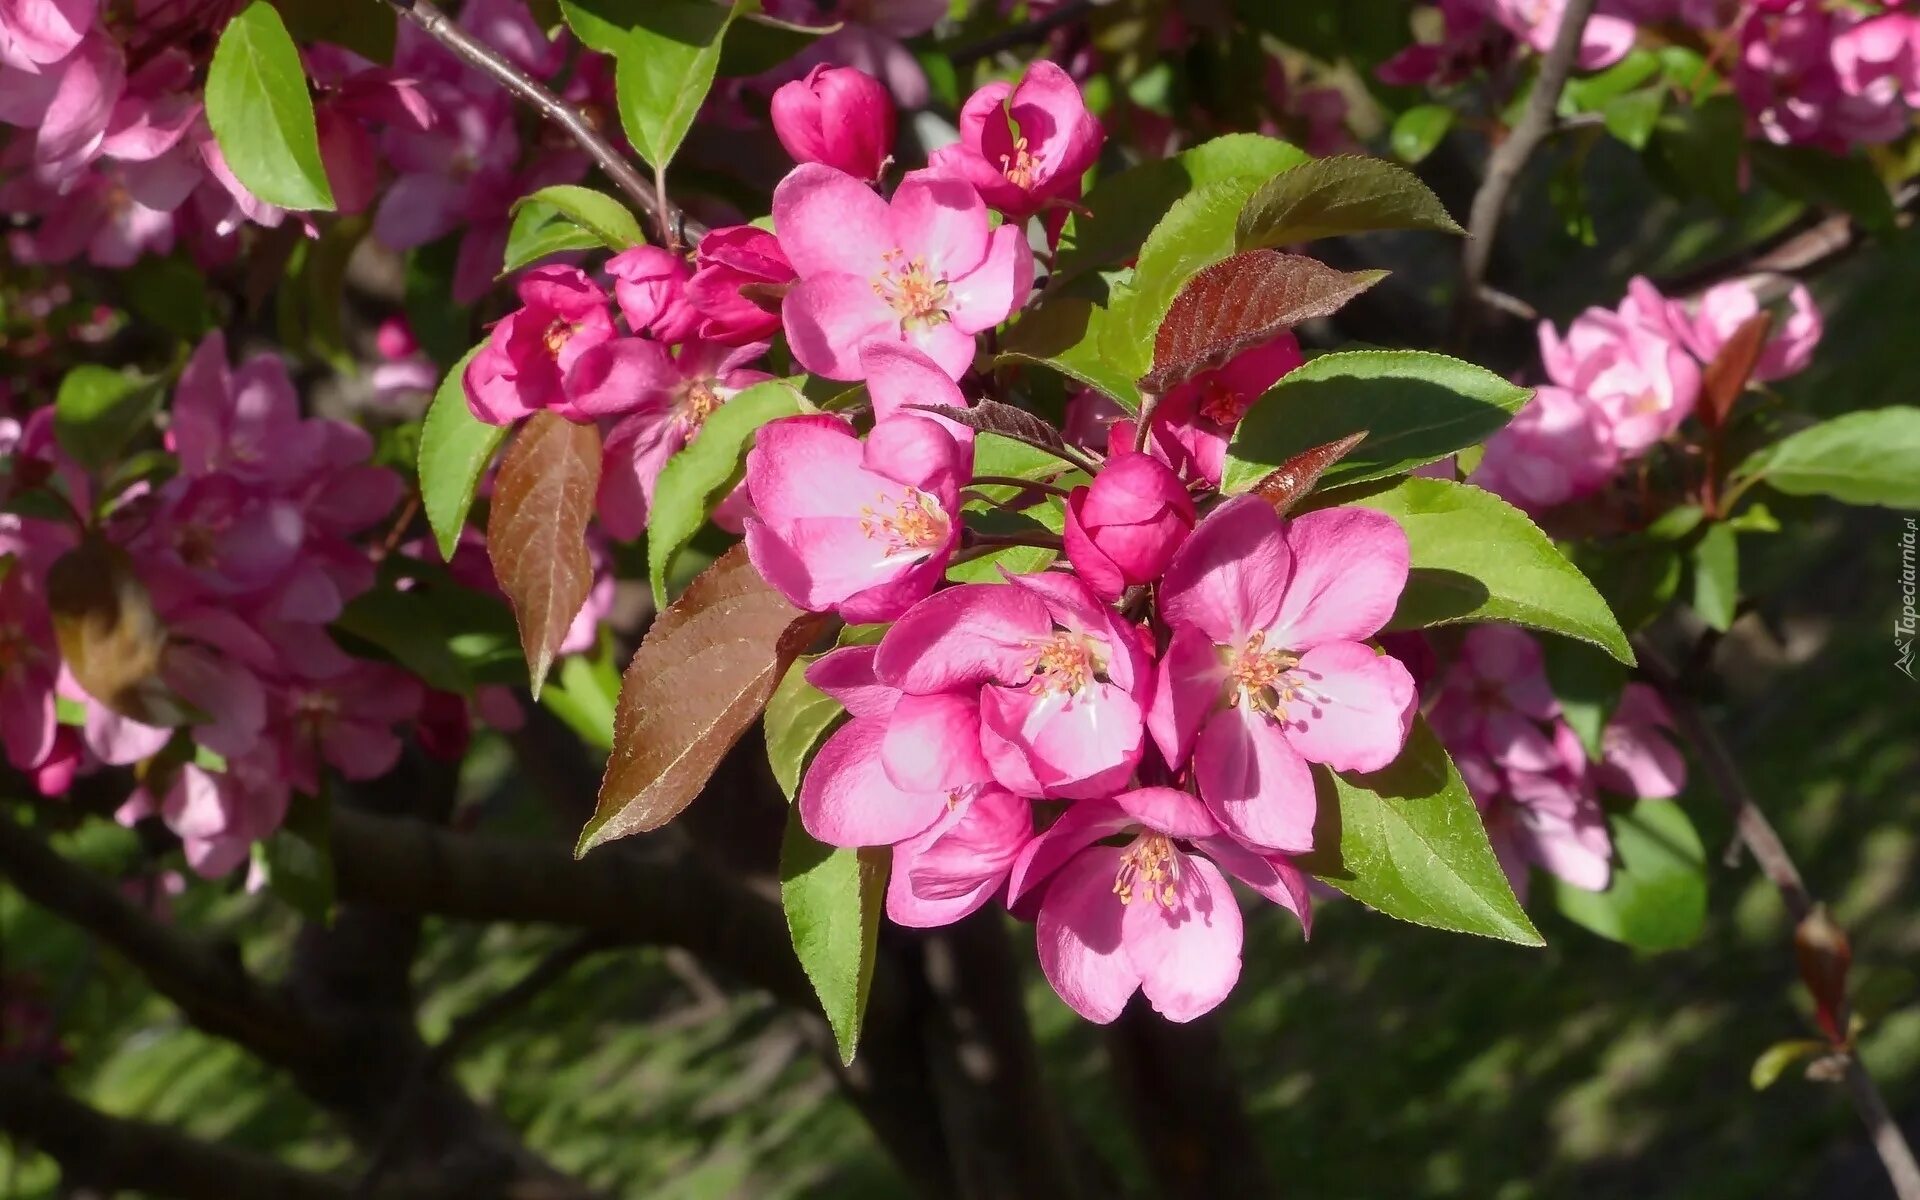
1632,117
297,860
170,293
1702,146
539,231
1849,184
1408,841
1416,407
592,212
696,478
1860,458
833,899
1477,558
1588,684
583,694
758,43
797,718
455,448
1065,335
98,410
1417,131
1591,93
1638,576
664,71
1716,576
1657,899
1775,1059
261,113
1049,517
450,636
1112,220
994,454
1331,197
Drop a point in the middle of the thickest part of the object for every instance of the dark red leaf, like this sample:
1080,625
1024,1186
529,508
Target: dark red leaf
991,416
1825,957
1731,369
537,531
1293,479
1238,303
108,633
700,678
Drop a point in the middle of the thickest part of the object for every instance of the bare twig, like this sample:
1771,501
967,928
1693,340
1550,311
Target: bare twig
1770,853
671,226
1023,35
1507,160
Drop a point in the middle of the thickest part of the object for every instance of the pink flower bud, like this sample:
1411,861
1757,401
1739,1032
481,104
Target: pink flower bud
740,275
839,116
650,285
1124,529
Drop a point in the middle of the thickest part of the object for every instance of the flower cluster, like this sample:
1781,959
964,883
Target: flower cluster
1624,380
1537,789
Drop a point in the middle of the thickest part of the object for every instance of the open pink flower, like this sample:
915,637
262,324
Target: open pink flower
1060,679
1193,422
1705,326
1124,528
739,276
523,367
1554,450
1155,914
861,528
1642,382
1495,702
1268,670
1548,817
1024,146
35,33
1881,52
901,380
957,864
924,269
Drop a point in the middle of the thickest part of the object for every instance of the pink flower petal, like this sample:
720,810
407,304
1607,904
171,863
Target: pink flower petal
932,743
1349,568
828,318
1354,708
1187,686
846,799
1229,578
829,222
1255,782
1187,955
964,636
1078,935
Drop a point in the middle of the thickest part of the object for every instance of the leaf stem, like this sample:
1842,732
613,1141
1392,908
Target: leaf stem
1023,484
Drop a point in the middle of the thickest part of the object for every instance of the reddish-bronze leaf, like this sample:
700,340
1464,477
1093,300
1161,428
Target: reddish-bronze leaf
991,416
1293,479
1825,958
108,633
1727,375
700,678
537,531
1240,302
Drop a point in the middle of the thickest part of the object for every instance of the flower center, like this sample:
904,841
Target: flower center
315,711
1065,664
1019,166
1260,677
557,334
1220,403
916,525
910,288
697,402
1151,866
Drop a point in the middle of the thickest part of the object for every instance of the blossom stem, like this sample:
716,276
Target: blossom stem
1143,423
1023,484
671,226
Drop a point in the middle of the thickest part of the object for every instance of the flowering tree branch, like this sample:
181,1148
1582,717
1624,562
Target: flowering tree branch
671,226
1760,838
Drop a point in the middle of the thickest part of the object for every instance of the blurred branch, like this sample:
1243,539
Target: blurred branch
1776,863
1803,247
1185,1105
1025,34
1507,160
671,226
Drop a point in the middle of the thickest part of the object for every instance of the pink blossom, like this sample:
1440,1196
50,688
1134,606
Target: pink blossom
1124,528
1548,817
862,528
728,263
36,33
924,269
219,815
523,367
1194,421
1155,914
960,861
1024,146
1705,326
1554,450
1468,41
869,38
54,774
1789,77
340,712
1637,755
1882,48
1268,669
1494,702
1060,679
1642,383
1605,40
650,285
662,400
903,381
839,116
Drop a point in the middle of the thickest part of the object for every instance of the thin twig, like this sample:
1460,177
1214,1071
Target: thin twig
1763,841
670,225
1033,485
1507,160
1022,35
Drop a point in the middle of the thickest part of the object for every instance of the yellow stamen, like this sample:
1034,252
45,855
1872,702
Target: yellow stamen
1260,677
1152,866
1020,166
1065,663
917,523
912,291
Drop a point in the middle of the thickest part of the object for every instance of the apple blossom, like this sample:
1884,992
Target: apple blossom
524,365
839,116
1193,423
650,287
1024,146
1123,529
729,262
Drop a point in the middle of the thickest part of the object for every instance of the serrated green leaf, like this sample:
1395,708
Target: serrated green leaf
262,114
1332,197
797,718
664,70
833,899
1066,334
1716,576
695,478
592,212
539,231
1637,576
1861,458
455,448
1657,899
1416,407
98,410
1474,557
1408,841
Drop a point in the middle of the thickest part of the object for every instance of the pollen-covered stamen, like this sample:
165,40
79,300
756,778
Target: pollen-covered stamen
1020,166
697,402
557,335
315,711
910,288
1151,868
1220,403
1066,664
1261,678
914,524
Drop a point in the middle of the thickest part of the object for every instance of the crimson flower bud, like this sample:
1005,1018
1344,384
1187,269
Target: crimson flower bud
1124,529
839,116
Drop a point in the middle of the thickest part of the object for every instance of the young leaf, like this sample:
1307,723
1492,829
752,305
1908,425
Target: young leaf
665,70
593,212
1240,302
1329,197
261,113
584,693
694,479
798,717
1716,576
98,410
537,531
1727,375
1289,483
1860,458
1416,406
1477,558
1657,899
699,680
109,636
991,416
1408,841
1775,1059
833,899
1066,335
1417,131
455,448
538,232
